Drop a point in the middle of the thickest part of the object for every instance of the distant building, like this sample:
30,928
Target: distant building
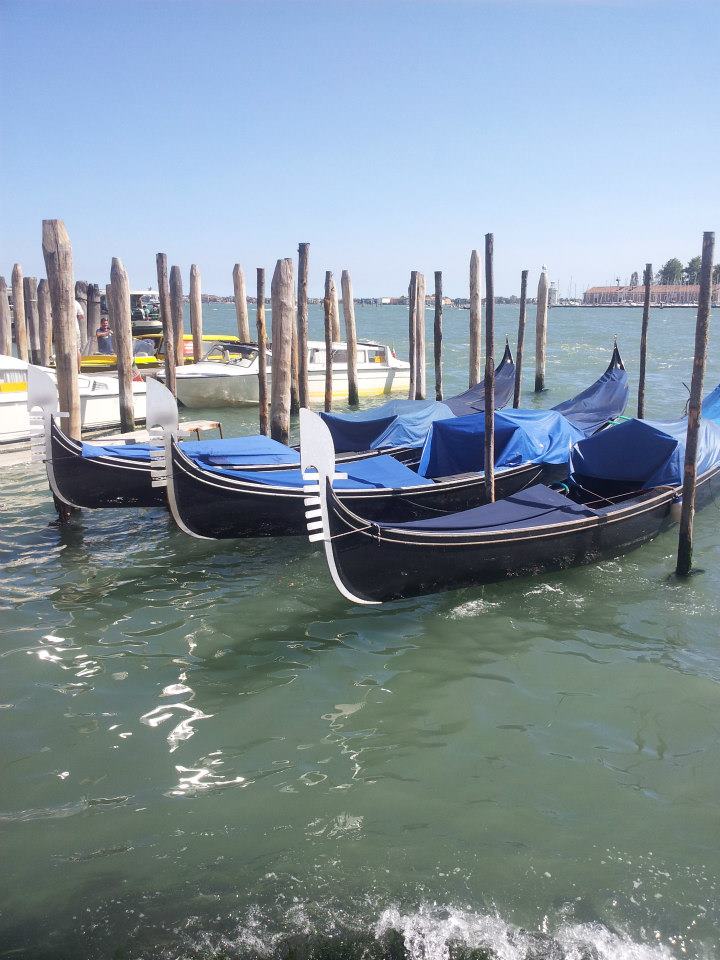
669,294
552,295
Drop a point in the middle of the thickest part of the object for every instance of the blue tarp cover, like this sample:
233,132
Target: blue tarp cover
521,436
240,450
128,451
411,429
644,452
711,405
601,402
473,400
374,473
536,506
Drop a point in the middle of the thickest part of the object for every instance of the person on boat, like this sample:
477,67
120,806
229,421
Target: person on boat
104,337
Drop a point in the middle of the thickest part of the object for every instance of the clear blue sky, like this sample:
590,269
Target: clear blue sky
391,135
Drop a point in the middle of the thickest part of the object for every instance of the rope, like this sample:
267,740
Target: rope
368,526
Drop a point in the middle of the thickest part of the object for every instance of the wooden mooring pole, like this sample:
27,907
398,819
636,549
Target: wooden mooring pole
32,317
177,304
241,310
81,295
520,338
302,323
685,544
196,318
327,308
489,371
647,280
57,253
283,318
412,327
350,337
5,321
161,262
334,311
437,334
475,319
420,380
541,331
294,366
122,320
262,353
93,315
45,318
21,337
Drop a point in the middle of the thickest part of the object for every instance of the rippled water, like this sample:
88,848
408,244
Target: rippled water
206,752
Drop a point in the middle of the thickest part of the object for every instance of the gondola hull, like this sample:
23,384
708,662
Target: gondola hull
376,564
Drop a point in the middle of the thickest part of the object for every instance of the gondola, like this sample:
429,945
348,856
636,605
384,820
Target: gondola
624,488
120,475
212,501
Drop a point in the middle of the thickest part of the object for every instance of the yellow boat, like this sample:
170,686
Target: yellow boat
105,362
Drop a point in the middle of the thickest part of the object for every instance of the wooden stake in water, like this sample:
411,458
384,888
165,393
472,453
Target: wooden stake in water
32,317
489,371
5,321
283,319
350,337
302,323
294,366
93,316
45,319
122,319
437,334
334,311
541,331
167,325
262,353
420,382
196,318
21,337
57,254
685,544
81,295
475,319
327,307
520,338
176,312
647,279
241,310
412,327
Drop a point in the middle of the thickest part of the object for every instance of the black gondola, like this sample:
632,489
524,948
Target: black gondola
599,513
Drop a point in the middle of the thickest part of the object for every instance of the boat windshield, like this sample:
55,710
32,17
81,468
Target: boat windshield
229,351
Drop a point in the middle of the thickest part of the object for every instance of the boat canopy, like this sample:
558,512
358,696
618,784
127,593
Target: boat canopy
642,454
383,472
366,429
521,436
601,402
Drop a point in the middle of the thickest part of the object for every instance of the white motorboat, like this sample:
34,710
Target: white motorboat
99,401
227,382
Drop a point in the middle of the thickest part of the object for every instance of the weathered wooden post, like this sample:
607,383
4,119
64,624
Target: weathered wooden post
541,331
685,546
350,337
262,352
302,323
520,338
475,318
32,317
81,295
647,280
108,304
21,337
334,311
93,314
489,371
167,324
45,319
57,254
437,334
294,367
196,318
283,318
5,321
176,312
327,308
241,310
412,327
420,382
122,319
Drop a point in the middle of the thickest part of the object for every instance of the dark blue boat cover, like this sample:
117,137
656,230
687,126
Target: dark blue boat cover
521,436
473,400
536,506
377,473
601,402
240,450
126,451
396,423
643,452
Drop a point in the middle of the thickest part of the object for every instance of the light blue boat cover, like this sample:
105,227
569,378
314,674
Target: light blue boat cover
396,423
240,450
521,436
711,405
383,472
644,452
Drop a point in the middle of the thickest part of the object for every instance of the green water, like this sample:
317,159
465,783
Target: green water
206,752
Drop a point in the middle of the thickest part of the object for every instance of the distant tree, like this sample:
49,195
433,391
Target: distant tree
692,270
634,279
672,272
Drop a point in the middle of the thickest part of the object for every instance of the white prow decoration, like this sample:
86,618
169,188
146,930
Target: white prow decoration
317,461
43,397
